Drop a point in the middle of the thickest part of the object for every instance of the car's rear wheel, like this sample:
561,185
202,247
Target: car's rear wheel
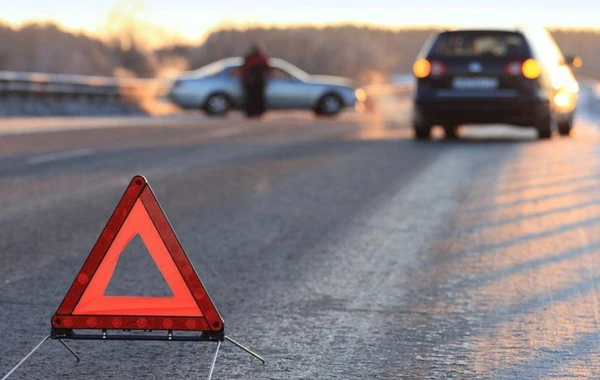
564,127
329,105
422,131
217,104
544,127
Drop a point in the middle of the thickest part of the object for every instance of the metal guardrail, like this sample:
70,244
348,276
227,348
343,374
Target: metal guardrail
26,83
61,85
16,85
42,94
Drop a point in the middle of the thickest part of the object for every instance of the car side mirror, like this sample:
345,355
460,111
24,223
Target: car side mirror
573,61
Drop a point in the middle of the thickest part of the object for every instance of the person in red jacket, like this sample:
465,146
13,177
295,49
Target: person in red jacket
254,76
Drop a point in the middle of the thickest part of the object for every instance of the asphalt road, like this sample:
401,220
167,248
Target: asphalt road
336,249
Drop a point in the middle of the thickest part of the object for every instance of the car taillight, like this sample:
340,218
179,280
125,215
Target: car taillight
421,68
513,68
437,68
531,69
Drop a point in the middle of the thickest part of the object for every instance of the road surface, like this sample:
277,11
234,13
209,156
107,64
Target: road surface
336,249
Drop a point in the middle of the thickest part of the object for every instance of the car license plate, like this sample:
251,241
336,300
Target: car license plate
477,83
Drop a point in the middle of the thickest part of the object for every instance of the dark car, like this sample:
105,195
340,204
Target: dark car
494,76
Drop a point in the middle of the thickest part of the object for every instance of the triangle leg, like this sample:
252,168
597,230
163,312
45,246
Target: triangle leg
246,349
70,350
26,357
212,366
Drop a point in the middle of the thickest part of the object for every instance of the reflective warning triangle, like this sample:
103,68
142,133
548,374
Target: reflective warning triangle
86,306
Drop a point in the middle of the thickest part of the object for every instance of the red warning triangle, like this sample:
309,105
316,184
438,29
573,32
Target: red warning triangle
87,307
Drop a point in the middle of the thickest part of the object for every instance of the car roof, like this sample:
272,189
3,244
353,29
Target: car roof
232,61
484,29
497,28
237,61
227,63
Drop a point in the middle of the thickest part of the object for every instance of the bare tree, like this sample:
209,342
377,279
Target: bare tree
127,49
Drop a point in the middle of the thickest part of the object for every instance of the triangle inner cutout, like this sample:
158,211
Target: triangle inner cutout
135,268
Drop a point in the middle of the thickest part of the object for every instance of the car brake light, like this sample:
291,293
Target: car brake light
513,68
437,68
531,69
421,68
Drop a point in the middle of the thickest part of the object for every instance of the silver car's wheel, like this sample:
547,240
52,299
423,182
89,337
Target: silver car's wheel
217,104
329,105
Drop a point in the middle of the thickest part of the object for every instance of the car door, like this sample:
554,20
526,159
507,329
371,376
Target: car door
233,84
284,90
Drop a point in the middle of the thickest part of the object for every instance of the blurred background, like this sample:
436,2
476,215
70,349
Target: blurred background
374,43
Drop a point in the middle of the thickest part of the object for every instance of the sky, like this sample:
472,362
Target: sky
194,19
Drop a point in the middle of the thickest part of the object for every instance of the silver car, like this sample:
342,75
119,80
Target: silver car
216,88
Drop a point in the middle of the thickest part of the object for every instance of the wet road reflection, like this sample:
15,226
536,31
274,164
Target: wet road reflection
517,275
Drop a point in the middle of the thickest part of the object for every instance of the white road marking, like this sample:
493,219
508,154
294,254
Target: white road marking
59,156
224,132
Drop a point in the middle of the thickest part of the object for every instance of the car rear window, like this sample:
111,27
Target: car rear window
480,44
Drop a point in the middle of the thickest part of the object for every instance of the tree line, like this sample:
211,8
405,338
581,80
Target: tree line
358,52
